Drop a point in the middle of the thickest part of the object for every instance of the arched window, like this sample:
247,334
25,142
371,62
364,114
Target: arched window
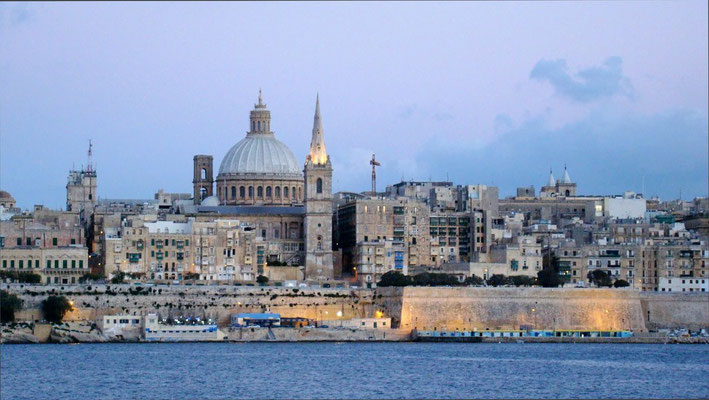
233,192
219,191
258,126
318,186
319,242
568,193
295,194
278,192
204,173
253,126
202,193
259,191
268,191
285,191
300,193
251,192
242,192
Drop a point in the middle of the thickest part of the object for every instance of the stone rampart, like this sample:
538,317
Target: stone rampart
442,308
468,308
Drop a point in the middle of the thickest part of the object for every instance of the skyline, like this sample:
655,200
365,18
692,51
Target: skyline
153,92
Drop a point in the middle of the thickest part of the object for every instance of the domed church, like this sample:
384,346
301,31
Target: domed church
261,182
258,170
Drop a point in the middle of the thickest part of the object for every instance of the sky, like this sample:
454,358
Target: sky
494,93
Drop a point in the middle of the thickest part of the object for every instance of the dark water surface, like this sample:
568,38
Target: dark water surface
352,370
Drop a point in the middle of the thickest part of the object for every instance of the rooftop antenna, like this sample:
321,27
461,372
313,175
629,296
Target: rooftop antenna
89,167
374,164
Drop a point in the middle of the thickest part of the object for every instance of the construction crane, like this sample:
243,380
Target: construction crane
374,164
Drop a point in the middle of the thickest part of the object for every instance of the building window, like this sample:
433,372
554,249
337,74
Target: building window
318,185
259,192
285,191
233,192
64,264
278,192
251,192
242,192
268,191
19,241
73,264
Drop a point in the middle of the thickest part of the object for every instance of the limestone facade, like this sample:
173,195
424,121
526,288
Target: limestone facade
56,265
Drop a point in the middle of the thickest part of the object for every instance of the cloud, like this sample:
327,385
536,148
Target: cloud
607,152
586,85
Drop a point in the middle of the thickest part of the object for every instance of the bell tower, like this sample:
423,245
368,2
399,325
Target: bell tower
203,181
318,206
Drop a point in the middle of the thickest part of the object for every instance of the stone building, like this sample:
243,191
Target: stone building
42,228
55,265
377,257
258,170
318,205
401,220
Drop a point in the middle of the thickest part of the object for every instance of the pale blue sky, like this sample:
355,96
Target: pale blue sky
481,92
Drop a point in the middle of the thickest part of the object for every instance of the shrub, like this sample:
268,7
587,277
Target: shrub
621,283
600,278
21,276
54,308
522,280
498,280
119,277
394,278
9,304
91,276
474,280
261,280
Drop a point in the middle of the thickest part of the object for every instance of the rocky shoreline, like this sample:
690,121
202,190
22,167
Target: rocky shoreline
77,332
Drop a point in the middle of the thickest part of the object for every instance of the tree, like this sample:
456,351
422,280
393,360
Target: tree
262,280
394,278
119,277
549,275
21,276
474,280
9,304
621,283
522,280
498,280
54,308
600,278
91,276
191,276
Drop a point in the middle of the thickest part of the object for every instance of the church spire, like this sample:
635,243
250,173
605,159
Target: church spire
317,155
552,181
566,178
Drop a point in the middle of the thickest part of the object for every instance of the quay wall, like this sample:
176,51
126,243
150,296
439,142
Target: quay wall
91,302
423,308
470,308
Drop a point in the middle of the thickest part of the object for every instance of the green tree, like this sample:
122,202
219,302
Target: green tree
9,304
549,275
522,280
119,277
262,280
54,308
498,280
91,276
474,280
21,276
600,278
621,283
394,278
191,276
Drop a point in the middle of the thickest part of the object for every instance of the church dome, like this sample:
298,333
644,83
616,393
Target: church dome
5,196
260,154
210,201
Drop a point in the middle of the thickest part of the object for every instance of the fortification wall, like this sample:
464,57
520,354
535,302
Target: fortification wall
448,308
542,308
217,302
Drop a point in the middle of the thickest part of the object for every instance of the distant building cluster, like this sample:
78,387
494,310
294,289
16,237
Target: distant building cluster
264,217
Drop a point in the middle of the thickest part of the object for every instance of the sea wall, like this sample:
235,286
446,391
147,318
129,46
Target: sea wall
426,308
91,302
423,308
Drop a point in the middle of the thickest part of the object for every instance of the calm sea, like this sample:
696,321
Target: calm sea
352,370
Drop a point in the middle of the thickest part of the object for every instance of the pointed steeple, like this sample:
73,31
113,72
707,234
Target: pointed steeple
260,120
551,181
566,178
318,154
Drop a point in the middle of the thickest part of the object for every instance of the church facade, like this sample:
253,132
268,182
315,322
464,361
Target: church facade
261,183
